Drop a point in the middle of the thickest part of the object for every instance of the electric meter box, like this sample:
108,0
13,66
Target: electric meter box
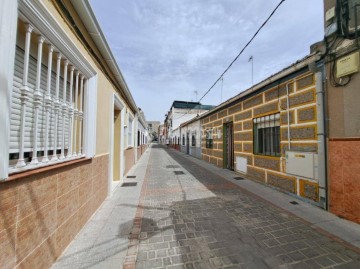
347,65
303,164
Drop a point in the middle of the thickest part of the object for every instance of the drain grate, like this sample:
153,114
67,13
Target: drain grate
239,178
179,172
131,176
129,184
294,202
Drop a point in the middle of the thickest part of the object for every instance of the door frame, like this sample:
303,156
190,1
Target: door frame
226,149
188,142
116,102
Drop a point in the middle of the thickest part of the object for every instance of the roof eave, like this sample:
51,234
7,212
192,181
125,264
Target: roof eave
85,12
287,71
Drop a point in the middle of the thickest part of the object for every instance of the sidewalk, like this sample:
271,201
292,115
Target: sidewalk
186,213
103,242
347,231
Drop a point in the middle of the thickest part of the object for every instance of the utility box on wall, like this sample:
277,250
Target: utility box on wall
347,65
303,164
241,164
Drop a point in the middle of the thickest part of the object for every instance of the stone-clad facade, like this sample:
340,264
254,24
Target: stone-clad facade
268,100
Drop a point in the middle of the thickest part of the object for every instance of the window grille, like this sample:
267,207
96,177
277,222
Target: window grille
47,106
193,140
209,138
267,135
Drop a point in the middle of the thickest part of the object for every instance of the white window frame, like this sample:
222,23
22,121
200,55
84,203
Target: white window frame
35,13
193,135
209,138
8,26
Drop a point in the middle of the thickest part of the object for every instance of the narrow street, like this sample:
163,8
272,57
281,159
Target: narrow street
189,216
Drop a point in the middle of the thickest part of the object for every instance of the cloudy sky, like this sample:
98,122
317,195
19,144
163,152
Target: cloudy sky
170,49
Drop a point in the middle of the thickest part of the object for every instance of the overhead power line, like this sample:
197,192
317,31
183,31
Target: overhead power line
247,44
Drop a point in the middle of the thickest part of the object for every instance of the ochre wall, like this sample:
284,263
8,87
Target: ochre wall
303,128
104,120
105,88
40,214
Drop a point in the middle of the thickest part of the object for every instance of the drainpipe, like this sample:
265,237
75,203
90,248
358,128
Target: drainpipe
321,139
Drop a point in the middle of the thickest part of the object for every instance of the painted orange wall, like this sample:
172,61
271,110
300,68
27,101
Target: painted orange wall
344,179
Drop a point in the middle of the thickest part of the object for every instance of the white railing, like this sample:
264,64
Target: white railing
46,118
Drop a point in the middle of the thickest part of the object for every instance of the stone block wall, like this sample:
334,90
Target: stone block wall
42,212
303,133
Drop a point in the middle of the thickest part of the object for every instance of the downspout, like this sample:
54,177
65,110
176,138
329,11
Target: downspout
321,140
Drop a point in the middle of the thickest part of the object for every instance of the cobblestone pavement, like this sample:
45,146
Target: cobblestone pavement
188,217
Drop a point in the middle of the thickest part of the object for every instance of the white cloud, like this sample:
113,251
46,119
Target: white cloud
169,49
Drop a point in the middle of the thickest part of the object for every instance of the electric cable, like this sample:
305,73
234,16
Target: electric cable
247,44
233,61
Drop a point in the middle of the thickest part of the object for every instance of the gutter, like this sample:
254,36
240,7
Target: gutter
287,71
85,12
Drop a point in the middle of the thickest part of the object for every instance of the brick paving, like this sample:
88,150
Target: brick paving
189,217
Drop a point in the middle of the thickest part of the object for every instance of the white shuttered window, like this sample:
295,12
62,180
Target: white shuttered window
43,111
29,120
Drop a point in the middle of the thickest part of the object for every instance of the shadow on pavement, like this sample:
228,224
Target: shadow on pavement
198,220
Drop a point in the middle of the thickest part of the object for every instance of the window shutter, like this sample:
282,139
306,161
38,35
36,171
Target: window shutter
15,118
29,119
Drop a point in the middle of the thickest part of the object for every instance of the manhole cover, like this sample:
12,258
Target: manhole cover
179,172
131,176
129,184
294,203
239,178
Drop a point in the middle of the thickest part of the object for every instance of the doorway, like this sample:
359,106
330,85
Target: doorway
228,142
187,143
116,145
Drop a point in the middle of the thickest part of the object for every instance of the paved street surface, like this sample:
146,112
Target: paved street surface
189,216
